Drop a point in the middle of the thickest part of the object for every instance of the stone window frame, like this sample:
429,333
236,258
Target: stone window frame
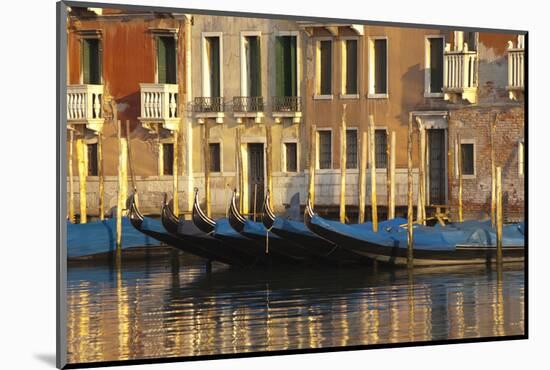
467,141
220,143
343,57
357,149
317,94
283,155
90,34
318,149
371,94
160,159
427,71
205,76
242,57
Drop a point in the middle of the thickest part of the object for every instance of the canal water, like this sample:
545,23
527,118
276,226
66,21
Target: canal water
158,308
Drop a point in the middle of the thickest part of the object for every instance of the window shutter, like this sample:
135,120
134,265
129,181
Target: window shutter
161,60
214,43
279,63
293,67
255,66
170,43
436,65
351,67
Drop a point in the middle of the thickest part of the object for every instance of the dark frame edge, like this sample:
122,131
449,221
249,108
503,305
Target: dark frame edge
61,185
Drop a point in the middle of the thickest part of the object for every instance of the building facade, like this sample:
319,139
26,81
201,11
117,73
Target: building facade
226,102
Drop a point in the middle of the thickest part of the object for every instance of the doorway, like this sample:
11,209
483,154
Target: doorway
437,166
255,177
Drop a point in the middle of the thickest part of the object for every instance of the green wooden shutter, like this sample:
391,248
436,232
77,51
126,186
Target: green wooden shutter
161,60
351,67
279,66
255,66
170,43
214,43
292,65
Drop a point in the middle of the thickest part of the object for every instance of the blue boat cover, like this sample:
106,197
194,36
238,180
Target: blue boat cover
100,237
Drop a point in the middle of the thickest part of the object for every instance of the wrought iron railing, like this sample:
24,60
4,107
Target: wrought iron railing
286,104
248,104
207,104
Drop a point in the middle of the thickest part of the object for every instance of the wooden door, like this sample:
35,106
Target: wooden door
255,177
437,166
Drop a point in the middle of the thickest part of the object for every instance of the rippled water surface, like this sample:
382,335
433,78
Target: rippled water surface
159,308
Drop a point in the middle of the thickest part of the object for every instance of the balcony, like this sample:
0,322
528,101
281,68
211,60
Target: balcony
159,105
248,107
460,75
84,106
287,107
516,72
209,107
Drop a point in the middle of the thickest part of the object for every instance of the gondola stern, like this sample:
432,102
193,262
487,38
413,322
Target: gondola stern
268,217
200,219
236,220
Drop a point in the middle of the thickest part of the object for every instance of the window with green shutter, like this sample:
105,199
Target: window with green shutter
380,66
351,67
213,60
436,64
91,64
285,66
253,65
325,67
166,60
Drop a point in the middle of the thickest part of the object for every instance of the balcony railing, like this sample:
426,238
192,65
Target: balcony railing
460,75
207,104
159,104
516,72
84,105
286,104
244,104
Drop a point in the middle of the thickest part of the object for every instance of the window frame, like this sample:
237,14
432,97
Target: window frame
284,159
344,94
317,95
318,147
91,35
467,141
161,157
205,83
219,142
371,70
242,56
385,129
427,66
357,148
298,61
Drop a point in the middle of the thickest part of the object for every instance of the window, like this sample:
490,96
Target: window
351,148
521,158
215,157
92,160
324,72
325,149
350,62
380,142
285,65
378,72
212,69
291,156
166,60
167,159
434,65
468,165
252,66
91,61
465,37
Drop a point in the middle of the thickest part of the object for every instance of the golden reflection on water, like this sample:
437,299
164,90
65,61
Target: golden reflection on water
149,310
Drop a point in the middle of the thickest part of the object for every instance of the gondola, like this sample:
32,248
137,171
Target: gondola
300,234
432,245
188,232
222,230
154,229
257,231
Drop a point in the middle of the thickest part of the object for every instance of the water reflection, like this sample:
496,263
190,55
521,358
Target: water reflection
160,309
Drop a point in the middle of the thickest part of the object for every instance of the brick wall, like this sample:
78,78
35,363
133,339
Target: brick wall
473,124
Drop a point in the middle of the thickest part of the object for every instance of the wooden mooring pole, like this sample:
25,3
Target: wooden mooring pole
410,242
269,164
499,213
363,177
343,164
206,148
459,161
71,175
81,162
312,163
175,174
100,175
122,184
420,210
391,209
372,168
493,170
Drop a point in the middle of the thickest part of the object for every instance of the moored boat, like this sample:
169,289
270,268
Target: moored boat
432,246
